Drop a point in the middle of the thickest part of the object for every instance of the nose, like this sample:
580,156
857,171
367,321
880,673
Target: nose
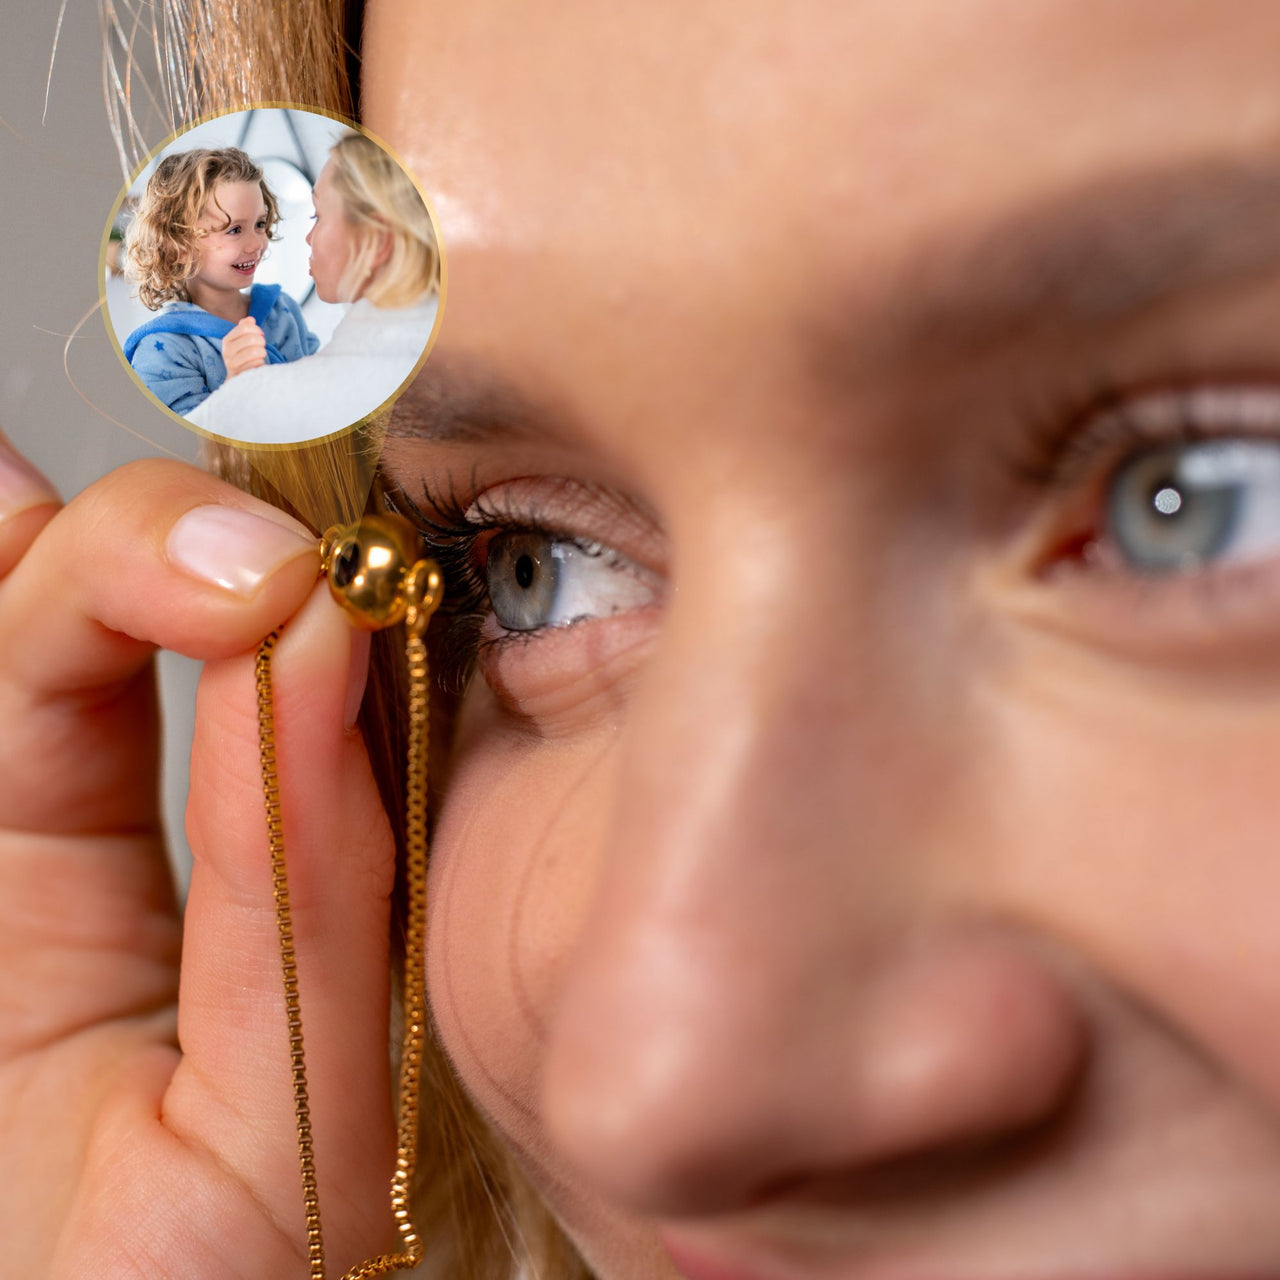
775,987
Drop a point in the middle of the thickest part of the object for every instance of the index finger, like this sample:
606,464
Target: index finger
156,555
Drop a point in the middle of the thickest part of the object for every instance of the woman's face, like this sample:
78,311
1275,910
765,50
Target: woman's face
860,857
331,238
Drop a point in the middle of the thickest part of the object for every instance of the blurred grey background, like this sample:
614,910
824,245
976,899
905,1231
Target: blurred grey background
61,177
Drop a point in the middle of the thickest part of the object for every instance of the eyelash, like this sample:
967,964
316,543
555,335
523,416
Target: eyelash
1061,450
451,539
1065,442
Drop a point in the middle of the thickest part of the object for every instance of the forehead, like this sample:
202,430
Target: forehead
323,189
234,202
675,187
701,130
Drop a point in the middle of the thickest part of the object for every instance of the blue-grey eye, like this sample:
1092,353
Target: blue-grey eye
1184,506
536,580
524,579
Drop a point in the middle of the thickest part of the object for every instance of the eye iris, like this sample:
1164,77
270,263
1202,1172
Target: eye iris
1173,508
523,576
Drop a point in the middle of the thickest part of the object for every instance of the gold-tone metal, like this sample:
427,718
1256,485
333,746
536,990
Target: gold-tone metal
369,566
288,955
375,573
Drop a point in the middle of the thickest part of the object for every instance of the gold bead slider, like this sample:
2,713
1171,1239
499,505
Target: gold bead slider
377,575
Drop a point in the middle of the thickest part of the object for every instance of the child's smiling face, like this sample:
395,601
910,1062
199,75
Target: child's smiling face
233,239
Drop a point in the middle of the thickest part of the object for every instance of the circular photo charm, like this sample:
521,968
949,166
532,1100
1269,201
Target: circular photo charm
272,276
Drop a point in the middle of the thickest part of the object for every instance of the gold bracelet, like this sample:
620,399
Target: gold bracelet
376,574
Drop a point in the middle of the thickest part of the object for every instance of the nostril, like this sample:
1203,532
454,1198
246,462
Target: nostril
937,1061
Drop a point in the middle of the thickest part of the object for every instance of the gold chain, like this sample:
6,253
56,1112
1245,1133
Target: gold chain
415,1014
288,956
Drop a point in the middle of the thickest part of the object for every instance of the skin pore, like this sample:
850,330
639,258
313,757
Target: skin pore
859,860
234,224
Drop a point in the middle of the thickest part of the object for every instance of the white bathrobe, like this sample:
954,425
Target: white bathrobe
370,356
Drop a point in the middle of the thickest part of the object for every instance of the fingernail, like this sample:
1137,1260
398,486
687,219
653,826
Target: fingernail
21,485
234,548
357,677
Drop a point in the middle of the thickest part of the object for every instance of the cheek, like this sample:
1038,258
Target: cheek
1140,819
513,869
335,248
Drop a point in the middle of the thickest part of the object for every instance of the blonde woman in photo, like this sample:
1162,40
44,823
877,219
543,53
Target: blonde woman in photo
372,246
853,452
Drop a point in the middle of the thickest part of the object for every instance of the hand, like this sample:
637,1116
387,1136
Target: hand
245,347
147,1110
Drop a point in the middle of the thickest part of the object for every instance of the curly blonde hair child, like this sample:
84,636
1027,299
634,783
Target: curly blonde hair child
161,243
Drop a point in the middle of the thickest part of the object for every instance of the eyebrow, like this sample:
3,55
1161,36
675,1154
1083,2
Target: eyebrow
458,401
1096,254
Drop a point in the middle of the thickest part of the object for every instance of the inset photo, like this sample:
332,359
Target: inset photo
272,276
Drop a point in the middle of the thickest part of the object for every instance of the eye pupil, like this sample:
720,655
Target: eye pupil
523,572
1178,508
1167,501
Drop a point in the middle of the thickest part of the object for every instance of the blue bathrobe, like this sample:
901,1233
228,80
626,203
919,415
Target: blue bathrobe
178,354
